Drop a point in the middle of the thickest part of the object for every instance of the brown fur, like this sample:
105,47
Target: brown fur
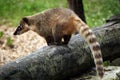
58,23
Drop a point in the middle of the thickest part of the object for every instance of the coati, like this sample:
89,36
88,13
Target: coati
55,24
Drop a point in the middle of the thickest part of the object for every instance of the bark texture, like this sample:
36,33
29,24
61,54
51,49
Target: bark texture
111,73
62,62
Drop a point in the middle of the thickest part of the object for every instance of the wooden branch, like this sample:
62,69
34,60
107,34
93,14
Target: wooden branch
61,62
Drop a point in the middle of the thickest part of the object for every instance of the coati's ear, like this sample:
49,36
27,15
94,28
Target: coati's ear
26,20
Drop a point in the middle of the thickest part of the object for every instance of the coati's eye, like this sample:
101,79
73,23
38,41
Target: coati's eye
20,27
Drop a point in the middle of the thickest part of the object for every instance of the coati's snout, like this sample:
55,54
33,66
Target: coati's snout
22,28
18,30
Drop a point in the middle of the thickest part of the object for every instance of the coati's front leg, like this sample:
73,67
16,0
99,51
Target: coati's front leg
57,39
50,40
57,35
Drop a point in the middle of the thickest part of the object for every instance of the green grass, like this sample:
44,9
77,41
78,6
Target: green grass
1,34
96,11
13,10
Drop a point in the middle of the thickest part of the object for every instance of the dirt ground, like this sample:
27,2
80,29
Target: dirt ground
22,44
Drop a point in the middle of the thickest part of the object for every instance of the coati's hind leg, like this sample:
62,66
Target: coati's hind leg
66,39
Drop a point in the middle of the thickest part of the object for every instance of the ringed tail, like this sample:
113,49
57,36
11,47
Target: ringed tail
88,35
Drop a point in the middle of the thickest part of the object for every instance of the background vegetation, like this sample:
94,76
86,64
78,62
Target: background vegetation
96,11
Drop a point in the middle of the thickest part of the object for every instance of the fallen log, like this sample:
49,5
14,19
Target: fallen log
62,62
111,73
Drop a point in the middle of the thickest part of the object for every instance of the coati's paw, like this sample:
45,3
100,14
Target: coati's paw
50,44
55,43
58,44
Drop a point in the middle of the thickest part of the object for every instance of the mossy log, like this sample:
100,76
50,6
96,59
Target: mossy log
63,62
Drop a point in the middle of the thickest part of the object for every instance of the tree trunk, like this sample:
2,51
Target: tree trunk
77,7
62,62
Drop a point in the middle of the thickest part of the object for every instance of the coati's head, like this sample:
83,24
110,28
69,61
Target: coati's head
23,27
